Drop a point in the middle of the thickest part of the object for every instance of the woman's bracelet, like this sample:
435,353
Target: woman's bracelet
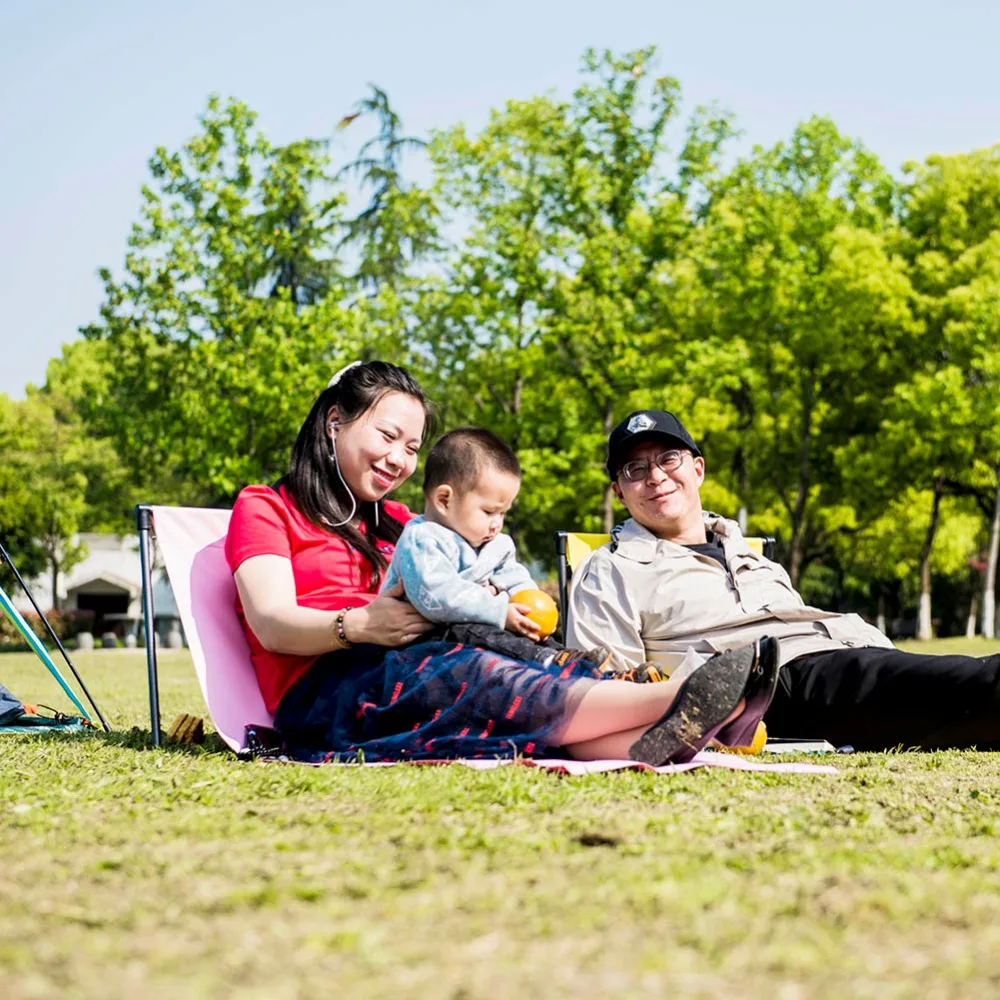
338,629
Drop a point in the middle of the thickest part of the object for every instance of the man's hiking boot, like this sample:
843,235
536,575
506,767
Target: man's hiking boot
599,657
644,673
760,688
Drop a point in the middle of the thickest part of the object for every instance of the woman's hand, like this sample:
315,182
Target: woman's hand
387,621
519,623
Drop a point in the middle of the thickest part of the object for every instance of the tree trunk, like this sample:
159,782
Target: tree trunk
797,551
970,624
54,566
990,576
880,620
609,496
924,629
514,523
802,496
517,398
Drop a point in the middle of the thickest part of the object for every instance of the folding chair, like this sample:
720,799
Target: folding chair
191,540
573,546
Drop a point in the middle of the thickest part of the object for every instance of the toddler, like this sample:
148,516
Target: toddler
457,567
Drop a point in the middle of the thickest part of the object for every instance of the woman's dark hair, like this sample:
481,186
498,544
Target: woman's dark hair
313,480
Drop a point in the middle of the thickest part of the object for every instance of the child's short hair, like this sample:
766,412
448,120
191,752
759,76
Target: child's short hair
461,456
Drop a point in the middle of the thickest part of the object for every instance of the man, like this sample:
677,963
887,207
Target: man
678,584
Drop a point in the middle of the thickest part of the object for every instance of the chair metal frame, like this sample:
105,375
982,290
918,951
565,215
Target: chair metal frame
144,520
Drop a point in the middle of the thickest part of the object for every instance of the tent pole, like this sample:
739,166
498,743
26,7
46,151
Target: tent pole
7,605
144,517
5,557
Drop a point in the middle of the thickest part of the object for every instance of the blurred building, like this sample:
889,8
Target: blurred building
108,583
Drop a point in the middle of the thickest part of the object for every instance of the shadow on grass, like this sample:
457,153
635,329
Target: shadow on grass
135,739
142,739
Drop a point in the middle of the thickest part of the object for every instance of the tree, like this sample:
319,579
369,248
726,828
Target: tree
57,481
226,320
549,319
483,320
951,218
628,216
398,226
925,437
54,460
76,387
809,315
20,515
889,551
828,335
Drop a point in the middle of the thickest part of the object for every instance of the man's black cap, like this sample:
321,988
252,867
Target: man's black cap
644,425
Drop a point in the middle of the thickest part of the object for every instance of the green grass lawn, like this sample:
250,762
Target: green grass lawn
129,872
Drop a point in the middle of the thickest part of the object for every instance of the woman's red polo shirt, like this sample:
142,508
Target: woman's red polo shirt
329,573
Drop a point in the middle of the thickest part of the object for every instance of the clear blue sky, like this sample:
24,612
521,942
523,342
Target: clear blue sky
87,90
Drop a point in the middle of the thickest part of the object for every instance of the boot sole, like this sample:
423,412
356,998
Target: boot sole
704,702
740,732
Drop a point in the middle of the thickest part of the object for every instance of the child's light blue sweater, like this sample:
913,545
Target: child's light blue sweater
444,576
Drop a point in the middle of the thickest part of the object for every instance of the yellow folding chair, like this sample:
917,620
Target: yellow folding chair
573,546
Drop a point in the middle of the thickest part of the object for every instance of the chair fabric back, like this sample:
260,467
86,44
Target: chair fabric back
580,544
191,540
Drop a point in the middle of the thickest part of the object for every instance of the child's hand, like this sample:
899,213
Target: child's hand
519,623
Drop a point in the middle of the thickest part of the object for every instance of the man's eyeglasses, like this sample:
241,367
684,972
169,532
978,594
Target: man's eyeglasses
638,469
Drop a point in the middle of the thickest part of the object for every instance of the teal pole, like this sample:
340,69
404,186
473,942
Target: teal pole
43,654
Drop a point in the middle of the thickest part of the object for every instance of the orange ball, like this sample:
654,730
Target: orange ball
543,613
757,744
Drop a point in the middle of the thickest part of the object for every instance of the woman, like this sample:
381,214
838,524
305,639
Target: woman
338,664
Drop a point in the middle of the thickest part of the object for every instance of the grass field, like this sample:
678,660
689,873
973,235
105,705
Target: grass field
128,872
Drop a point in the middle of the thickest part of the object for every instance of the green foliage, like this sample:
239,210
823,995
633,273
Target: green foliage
57,479
66,624
951,218
397,227
807,317
226,319
22,516
828,334
550,316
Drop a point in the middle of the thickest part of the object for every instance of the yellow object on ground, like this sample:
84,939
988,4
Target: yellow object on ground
759,739
543,613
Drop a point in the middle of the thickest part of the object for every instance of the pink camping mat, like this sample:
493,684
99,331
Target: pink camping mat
577,768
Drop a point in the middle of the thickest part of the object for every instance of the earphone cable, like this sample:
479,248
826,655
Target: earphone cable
336,465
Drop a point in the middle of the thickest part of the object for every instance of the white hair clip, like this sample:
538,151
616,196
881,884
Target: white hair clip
336,378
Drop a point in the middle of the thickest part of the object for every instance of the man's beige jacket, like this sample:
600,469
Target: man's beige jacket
647,598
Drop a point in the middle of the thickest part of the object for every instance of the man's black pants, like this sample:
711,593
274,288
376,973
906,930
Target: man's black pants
877,699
